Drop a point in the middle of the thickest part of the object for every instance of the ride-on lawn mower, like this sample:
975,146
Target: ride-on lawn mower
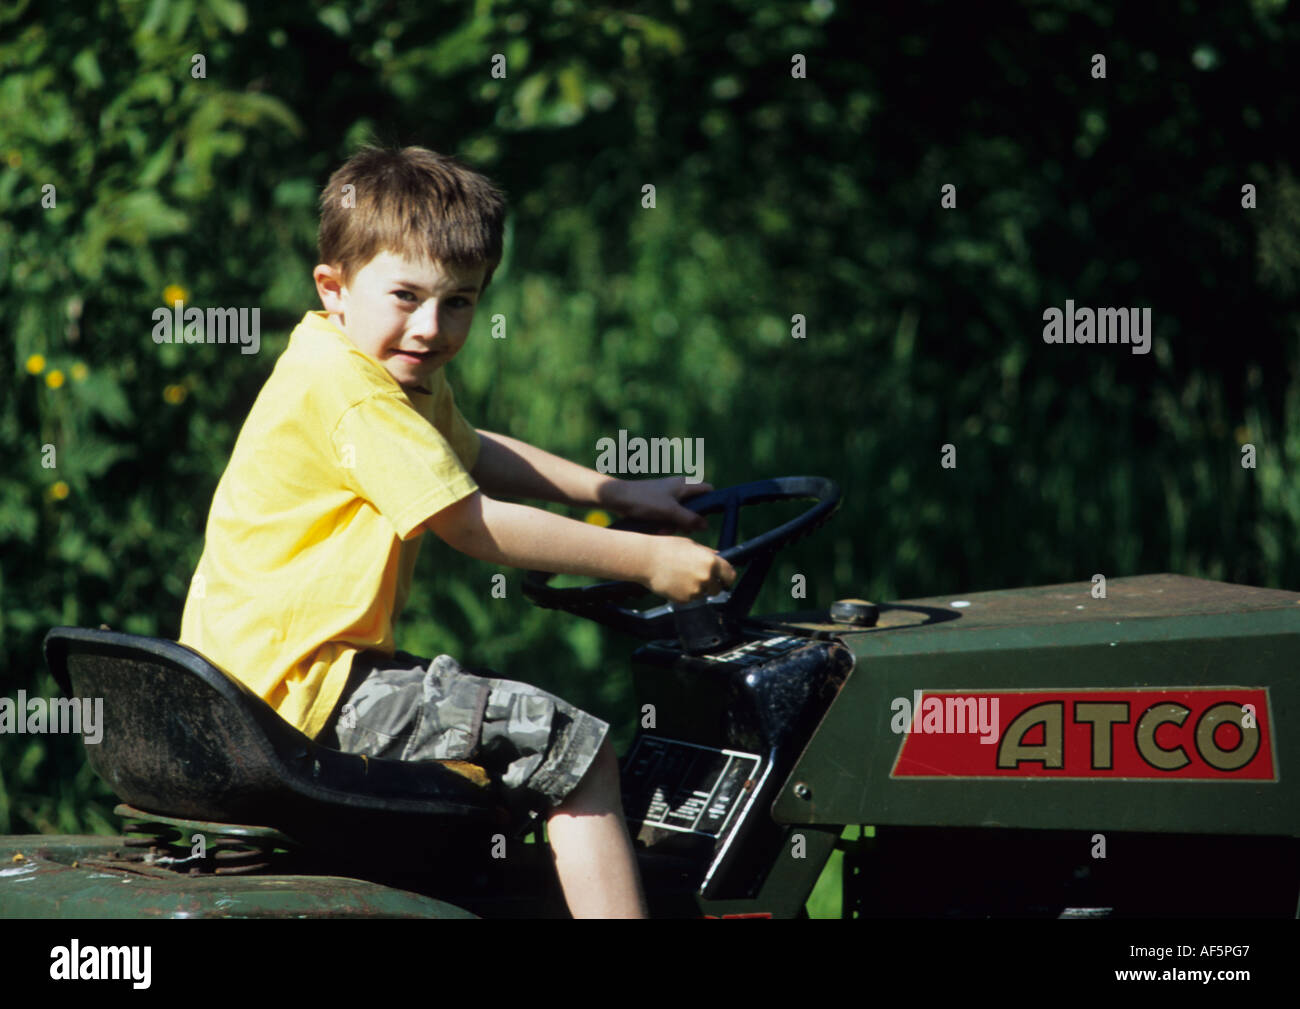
1089,749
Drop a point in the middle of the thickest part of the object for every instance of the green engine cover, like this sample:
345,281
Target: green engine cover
1162,705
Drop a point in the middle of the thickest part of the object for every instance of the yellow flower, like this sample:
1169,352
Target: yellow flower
174,293
1243,435
598,517
79,372
36,364
59,491
15,159
174,394
54,379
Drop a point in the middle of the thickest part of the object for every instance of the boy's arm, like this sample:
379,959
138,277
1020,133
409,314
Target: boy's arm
512,468
509,467
499,532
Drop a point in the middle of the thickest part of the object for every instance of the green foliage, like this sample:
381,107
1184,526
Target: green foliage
775,196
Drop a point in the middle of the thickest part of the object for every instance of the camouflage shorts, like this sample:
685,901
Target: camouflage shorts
535,746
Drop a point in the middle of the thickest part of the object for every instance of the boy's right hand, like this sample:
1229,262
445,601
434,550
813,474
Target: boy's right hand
684,571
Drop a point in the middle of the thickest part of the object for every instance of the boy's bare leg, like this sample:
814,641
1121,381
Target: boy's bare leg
592,850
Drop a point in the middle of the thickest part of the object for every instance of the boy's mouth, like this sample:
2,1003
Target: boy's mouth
414,356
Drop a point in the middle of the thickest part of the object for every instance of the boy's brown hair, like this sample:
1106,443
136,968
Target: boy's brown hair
411,202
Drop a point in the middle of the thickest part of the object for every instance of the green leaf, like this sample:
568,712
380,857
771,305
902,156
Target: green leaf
180,11
335,19
230,13
105,395
154,17
158,165
86,67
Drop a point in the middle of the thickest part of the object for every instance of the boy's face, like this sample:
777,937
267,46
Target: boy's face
411,317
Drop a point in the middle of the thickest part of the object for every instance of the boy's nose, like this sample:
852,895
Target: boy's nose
425,321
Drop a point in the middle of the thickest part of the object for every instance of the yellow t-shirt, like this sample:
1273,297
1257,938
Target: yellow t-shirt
316,522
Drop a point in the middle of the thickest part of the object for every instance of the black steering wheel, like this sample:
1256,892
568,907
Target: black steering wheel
717,620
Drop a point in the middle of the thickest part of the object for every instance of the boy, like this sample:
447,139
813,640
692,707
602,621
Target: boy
353,449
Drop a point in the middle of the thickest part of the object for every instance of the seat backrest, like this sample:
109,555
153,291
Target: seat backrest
183,738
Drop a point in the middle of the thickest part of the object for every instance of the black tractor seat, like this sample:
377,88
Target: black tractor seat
182,738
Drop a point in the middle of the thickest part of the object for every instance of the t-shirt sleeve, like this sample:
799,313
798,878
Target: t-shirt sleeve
457,430
403,465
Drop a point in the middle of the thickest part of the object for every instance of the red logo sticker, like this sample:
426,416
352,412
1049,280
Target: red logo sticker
1213,733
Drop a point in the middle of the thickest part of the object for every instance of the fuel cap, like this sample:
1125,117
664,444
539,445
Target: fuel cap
858,612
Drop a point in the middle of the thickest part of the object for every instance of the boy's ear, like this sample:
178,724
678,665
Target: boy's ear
329,285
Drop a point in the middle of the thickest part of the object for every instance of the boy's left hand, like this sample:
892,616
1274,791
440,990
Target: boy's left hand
657,501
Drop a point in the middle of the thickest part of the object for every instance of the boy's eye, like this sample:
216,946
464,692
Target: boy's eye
458,301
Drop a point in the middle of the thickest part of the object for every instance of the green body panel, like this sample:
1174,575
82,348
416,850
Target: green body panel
1152,631
80,877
